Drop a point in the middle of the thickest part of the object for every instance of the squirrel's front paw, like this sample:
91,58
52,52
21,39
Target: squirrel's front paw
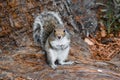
53,66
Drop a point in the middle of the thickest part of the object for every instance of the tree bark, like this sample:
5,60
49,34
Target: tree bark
18,14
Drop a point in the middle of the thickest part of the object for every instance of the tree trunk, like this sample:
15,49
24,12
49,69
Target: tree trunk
18,14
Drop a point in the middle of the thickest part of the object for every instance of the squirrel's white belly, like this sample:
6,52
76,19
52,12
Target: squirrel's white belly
60,48
60,44
60,54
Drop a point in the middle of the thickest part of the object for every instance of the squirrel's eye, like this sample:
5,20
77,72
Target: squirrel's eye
54,30
63,30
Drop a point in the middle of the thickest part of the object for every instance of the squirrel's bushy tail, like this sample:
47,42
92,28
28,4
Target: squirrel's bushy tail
44,24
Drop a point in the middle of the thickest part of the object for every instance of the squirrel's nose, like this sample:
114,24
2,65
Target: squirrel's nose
59,37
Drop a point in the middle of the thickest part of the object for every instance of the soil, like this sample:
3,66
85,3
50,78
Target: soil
27,62
22,59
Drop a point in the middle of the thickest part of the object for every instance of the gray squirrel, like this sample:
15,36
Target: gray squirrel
50,33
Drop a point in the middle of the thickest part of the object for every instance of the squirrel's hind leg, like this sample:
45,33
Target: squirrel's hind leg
51,58
52,64
63,56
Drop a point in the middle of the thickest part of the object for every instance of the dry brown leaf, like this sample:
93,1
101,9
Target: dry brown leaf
88,41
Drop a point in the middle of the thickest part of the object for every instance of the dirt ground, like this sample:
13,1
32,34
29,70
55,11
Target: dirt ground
28,63
22,59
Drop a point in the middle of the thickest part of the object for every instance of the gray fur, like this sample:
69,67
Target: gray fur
42,26
56,49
